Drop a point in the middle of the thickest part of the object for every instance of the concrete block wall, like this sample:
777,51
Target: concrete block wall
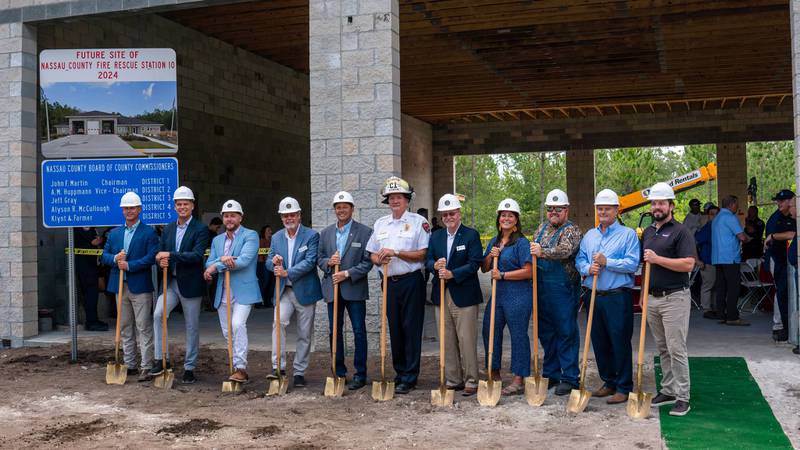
355,118
243,125
18,182
581,187
417,162
732,174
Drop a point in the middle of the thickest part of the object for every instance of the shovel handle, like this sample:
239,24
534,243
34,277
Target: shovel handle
535,317
491,320
643,302
164,343
230,327
383,320
119,316
335,322
585,355
277,322
441,332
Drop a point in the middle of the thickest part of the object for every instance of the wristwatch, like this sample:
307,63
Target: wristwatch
397,253
502,275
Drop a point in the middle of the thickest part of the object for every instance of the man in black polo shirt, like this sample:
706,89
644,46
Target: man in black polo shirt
781,228
669,248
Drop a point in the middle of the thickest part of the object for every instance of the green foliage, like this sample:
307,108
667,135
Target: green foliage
162,116
57,114
772,163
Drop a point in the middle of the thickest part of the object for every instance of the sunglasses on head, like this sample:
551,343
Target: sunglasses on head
556,209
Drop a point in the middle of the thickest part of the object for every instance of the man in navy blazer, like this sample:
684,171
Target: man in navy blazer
345,243
181,252
454,255
132,249
235,251
293,258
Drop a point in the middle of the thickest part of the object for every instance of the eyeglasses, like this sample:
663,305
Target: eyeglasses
449,213
555,209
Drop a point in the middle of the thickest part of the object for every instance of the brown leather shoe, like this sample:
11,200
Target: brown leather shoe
240,376
603,392
617,399
468,391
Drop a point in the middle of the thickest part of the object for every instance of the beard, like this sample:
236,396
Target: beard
660,215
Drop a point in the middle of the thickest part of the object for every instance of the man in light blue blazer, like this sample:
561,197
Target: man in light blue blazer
132,248
293,258
235,251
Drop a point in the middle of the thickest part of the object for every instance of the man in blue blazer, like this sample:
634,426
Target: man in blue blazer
293,258
454,255
132,248
181,252
235,251
345,243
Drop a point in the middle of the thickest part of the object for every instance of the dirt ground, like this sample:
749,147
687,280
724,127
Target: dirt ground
48,402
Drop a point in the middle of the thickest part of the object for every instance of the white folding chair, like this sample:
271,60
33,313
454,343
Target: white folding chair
757,290
692,277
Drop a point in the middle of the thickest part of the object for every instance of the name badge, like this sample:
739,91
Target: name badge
383,235
356,244
461,248
302,249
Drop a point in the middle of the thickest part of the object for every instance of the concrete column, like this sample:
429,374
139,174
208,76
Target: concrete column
580,187
444,173
732,174
417,162
18,179
794,15
355,117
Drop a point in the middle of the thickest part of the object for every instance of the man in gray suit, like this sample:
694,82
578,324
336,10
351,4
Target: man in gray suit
345,243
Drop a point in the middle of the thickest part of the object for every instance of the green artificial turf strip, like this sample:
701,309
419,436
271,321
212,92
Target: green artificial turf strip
727,410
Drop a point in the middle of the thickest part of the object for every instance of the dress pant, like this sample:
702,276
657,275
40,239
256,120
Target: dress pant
191,318
668,320
709,276
136,327
780,275
460,343
88,275
239,315
612,329
727,287
305,328
405,314
357,311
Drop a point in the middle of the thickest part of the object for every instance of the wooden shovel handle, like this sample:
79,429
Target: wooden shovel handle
164,343
491,319
119,316
643,302
278,322
441,331
535,317
335,321
588,332
383,319
230,327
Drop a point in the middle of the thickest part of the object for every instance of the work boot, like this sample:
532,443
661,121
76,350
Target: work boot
564,388
188,377
617,398
662,399
680,408
299,381
240,376
144,375
604,391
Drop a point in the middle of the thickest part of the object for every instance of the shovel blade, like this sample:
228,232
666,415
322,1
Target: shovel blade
165,380
536,390
382,390
578,399
639,405
442,397
116,373
231,386
334,386
278,386
489,392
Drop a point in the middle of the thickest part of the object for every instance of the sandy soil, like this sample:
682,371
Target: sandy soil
48,402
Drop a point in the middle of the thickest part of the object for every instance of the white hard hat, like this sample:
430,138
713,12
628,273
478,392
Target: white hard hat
183,193
556,197
395,185
606,197
508,204
232,206
341,197
130,199
661,191
449,202
289,205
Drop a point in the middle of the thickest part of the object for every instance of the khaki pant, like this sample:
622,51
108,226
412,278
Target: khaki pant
460,342
136,326
709,277
668,319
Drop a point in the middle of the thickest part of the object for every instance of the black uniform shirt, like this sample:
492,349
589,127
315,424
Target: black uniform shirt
672,240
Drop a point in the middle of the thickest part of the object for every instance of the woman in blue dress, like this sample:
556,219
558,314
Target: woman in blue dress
514,295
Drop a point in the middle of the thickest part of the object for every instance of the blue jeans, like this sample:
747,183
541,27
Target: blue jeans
514,311
612,329
357,311
191,317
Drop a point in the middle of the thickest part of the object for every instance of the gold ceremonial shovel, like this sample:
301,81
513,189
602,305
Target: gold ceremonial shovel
383,390
334,386
579,398
167,377
535,385
441,396
228,385
489,390
639,402
278,384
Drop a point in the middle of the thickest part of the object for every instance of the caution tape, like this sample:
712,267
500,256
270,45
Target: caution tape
99,251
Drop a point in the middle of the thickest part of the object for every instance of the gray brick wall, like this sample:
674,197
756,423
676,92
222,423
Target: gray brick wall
732,174
243,125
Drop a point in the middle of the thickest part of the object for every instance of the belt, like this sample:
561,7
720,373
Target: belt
610,292
665,292
400,277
